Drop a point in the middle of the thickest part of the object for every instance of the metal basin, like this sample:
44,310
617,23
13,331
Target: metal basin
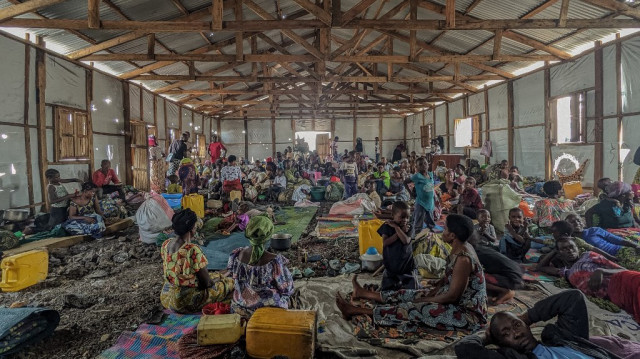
15,215
281,241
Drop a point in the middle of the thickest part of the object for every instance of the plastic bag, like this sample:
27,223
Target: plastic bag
153,216
486,149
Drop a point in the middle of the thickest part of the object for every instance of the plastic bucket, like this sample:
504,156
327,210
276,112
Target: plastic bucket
317,193
173,199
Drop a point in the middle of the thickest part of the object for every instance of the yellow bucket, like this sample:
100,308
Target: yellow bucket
24,270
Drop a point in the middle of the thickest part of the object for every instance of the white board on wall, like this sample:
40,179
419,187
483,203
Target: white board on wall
66,83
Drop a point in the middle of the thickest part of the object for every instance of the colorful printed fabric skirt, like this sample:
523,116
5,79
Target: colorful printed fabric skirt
80,227
192,299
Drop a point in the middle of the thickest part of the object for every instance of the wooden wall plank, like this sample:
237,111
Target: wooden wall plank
510,122
128,160
41,85
27,129
599,112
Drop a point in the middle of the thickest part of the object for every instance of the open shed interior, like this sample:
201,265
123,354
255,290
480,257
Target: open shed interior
550,85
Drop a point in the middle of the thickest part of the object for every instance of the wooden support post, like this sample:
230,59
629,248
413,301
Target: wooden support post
380,129
27,130
141,118
390,53
487,118
128,158
88,101
41,85
273,134
548,168
254,50
450,14
167,135
497,43
413,15
246,135
239,45
216,15
355,127
510,123
151,45
619,101
219,128
564,10
448,128
180,121
93,7
598,164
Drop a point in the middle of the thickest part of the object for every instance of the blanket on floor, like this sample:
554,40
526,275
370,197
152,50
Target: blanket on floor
332,229
153,341
20,327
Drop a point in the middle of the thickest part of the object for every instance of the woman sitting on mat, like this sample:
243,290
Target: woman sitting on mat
85,215
594,275
615,211
188,286
261,278
549,210
458,302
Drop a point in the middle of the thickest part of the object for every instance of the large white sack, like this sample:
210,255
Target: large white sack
153,217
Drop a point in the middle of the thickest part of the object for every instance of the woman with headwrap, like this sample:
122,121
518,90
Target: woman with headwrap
188,177
615,211
261,278
188,286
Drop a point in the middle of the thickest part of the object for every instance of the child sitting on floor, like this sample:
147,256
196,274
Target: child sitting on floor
486,231
174,186
397,255
517,240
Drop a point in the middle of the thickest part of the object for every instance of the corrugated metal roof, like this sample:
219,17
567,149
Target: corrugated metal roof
460,42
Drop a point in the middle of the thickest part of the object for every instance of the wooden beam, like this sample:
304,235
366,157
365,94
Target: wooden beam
151,45
548,168
356,10
473,5
413,14
450,14
27,129
510,122
41,86
29,6
564,10
617,6
540,8
497,42
239,43
217,12
93,10
315,10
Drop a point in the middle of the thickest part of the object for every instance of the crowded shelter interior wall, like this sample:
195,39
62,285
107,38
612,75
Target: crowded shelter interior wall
512,115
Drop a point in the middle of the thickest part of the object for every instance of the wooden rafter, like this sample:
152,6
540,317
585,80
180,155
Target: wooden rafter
25,7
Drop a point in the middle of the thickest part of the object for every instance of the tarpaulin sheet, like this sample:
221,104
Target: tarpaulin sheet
367,128
232,131
260,152
65,83
529,150
609,91
284,132
631,75
134,103
392,129
498,108
572,76
528,100
147,106
499,146
610,147
631,141
162,130
187,121
172,115
236,150
304,125
13,182
441,121
108,112
259,132
476,103
110,148
12,80
344,130
456,110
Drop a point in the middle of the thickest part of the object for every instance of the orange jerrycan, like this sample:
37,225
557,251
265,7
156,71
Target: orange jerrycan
276,331
368,235
24,270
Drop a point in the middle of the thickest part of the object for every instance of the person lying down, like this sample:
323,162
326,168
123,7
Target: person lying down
567,338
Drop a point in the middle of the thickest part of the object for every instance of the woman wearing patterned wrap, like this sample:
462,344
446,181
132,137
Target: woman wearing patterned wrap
188,286
458,302
261,278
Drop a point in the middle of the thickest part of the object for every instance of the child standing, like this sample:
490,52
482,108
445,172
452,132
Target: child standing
424,186
349,174
486,230
399,266
377,149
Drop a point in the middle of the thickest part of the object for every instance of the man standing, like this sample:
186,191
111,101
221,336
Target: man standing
103,179
215,148
177,152
377,149
334,149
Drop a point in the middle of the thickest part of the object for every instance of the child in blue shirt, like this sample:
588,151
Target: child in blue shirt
424,186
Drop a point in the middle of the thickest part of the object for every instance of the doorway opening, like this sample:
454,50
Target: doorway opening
314,138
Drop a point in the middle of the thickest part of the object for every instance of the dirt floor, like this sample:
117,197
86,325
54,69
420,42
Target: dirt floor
104,287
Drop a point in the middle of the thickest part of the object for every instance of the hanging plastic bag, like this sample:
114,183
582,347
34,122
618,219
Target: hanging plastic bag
486,149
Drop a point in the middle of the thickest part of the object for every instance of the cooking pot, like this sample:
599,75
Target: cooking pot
15,215
281,241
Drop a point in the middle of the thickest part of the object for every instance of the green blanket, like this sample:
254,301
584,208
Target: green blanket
296,221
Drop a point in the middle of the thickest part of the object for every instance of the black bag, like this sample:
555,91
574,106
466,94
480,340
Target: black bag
636,157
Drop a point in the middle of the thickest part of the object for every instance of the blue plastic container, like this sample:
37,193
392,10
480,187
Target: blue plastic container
174,200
